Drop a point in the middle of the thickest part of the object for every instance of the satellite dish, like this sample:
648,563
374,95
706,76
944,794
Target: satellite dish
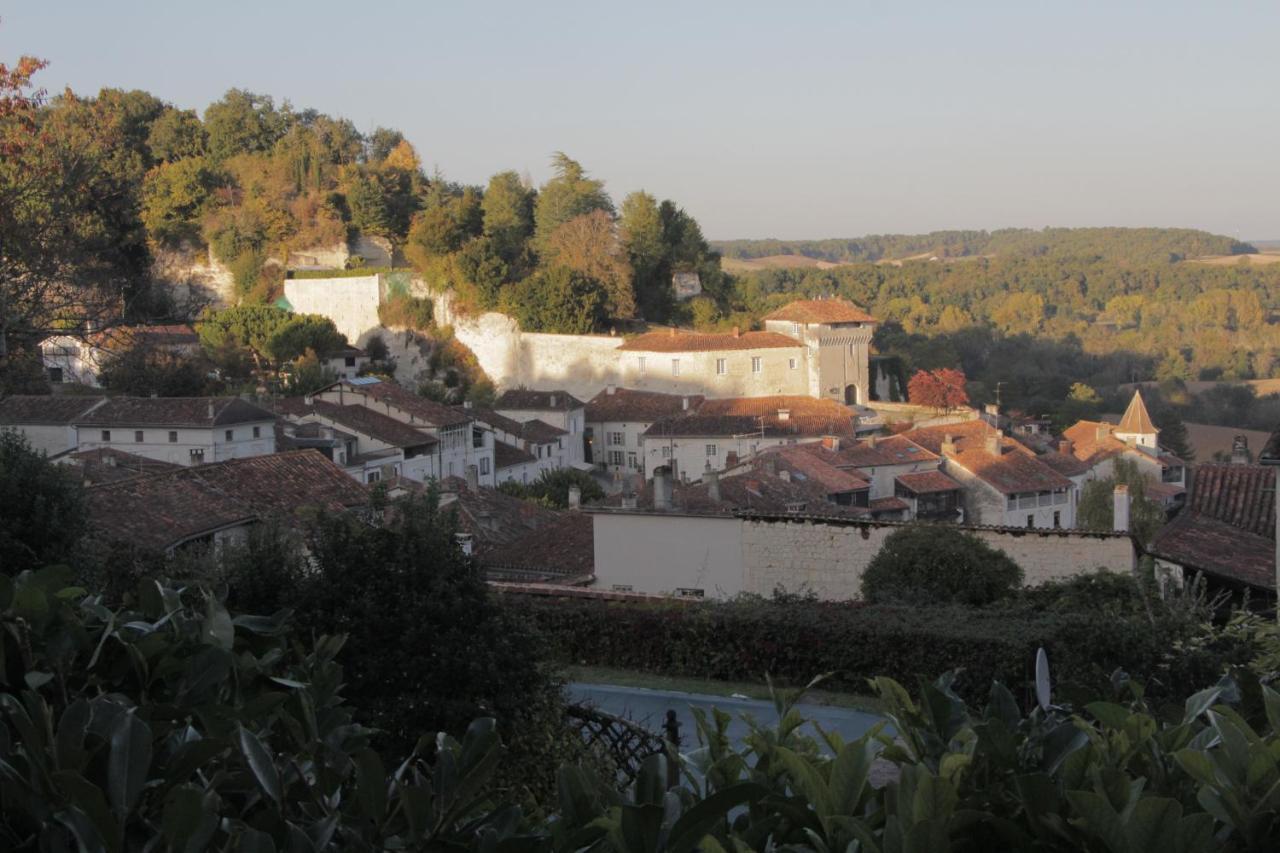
1042,679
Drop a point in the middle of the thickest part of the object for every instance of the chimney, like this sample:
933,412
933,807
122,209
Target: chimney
473,478
948,445
784,475
731,459
107,459
995,442
308,399
611,389
784,415
673,331
1065,447
662,488
1101,431
553,401
466,404
871,440
575,497
831,442
1121,515
210,410
712,479
1240,450
684,403
737,332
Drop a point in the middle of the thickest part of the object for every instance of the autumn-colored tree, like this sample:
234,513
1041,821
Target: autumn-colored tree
589,245
570,193
943,388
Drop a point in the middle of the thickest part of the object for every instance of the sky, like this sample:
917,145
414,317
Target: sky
786,119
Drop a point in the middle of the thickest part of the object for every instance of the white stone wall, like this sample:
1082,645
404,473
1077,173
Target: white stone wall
663,553
50,439
689,453
352,303
211,442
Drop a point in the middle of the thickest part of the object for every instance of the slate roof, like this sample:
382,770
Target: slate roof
161,511
821,311
108,465
59,410
927,482
429,412
626,405
807,417
505,455
680,340
199,412
1228,526
562,549
525,399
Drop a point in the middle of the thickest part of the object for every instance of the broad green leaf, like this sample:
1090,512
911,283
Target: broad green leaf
87,799
1099,819
260,763
371,779
1197,765
1200,702
694,824
1109,714
218,629
128,761
849,774
1153,824
183,814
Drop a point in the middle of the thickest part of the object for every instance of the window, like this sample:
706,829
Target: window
1031,521
675,367
230,435
55,374
757,364
197,454
721,367
539,451
640,363
666,452
617,439
632,461
484,464
1057,518
615,457
350,361
137,436
477,437
623,587
373,476
257,432
173,436
106,435
791,363
712,450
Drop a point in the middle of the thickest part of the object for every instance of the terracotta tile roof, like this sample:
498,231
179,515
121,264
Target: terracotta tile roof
755,490
505,455
1064,463
175,411
884,450
62,409
562,549
490,418
680,340
1197,541
1240,495
931,438
806,416
812,463
889,505
1136,420
492,518
1015,470
390,394
1165,492
160,511
1094,441
625,404
365,421
524,399
927,482
108,465
821,311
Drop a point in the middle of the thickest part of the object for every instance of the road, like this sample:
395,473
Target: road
649,708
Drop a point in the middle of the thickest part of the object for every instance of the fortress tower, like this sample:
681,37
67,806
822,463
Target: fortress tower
836,335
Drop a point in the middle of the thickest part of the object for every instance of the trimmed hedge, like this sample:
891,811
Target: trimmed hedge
793,641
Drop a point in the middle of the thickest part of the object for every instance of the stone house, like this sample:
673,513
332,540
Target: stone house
181,430
368,445
617,419
522,449
48,423
1098,444
347,362
558,408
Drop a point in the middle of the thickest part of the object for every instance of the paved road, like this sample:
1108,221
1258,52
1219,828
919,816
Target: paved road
649,709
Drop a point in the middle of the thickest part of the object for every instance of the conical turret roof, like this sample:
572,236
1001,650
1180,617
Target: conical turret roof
1136,421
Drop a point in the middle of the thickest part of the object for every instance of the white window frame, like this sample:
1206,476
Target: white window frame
713,450
722,367
757,364
675,367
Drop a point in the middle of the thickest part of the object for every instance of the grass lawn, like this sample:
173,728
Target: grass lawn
632,678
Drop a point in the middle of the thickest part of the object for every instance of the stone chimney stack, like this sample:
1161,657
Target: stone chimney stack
611,389
737,332
662,488
995,442
575,497
831,442
1240,450
712,479
1121,514
684,403
1065,447
1101,431
871,440
473,478
552,401
948,445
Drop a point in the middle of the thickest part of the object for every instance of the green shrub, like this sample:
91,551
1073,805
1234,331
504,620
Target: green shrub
938,564
410,312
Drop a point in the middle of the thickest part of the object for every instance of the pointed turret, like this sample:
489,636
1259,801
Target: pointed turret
1136,425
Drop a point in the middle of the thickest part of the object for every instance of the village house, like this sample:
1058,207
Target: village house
1098,444
1005,484
559,409
1227,529
48,423
522,449
720,433
80,360
460,440
218,504
347,362
181,430
617,419
368,445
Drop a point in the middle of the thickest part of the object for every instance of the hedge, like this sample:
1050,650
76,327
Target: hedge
793,641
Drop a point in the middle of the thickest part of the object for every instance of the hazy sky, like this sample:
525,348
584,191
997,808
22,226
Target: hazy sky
787,119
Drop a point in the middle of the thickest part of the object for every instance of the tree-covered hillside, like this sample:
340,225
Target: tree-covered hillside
1121,244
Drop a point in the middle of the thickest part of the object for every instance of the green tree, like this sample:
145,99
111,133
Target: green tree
552,487
243,123
307,373
588,245
370,212
556,300
43,508
177,134
142,371
926,564
1096,510
174,196
508,215
303,333
483,270
567,195
643,238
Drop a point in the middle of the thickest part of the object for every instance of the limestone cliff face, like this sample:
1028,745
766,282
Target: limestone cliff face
193,277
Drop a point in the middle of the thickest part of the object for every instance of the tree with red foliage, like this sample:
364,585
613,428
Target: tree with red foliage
938,389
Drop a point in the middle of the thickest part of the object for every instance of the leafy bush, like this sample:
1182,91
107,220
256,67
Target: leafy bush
41,507
404,311
938,564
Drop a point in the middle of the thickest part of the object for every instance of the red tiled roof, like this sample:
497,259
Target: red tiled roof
492,518
1092,441
163,510
1199,542
526,399
60,410
927,482
884,450
679,340
813,463
1013,471
505,455
1064,463
806,417
889,505
175,411
1240,495
108,465
1136,420
391,394
821,311
365,421
625,404
563,548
